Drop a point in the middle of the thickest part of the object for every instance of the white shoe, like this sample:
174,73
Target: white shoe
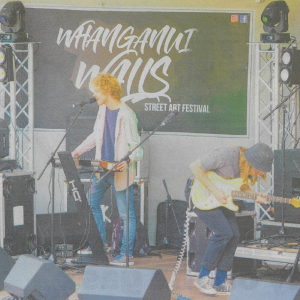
204,284
120,260
223,289
86,251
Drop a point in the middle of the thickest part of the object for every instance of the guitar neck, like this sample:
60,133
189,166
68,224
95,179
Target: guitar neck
253,196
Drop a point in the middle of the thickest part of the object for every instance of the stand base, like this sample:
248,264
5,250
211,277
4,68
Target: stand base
87,260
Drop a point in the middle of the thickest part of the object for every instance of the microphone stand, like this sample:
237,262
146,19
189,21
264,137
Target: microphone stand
281,232
127,159
52,161
168,203
283,105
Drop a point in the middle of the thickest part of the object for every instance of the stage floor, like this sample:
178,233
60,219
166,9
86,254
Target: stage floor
184,284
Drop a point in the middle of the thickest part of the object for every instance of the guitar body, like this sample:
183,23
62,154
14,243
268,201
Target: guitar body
204,200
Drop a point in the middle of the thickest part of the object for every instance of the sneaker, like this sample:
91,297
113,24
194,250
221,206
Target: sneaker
205,286
86,251
223,289
120,260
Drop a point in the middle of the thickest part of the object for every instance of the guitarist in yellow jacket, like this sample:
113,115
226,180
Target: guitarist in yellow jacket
228,163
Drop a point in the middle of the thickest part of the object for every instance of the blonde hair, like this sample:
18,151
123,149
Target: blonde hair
246,168
108,84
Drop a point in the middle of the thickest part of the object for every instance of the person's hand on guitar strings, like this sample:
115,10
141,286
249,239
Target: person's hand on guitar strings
220,195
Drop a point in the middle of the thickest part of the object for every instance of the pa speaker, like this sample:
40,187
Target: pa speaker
291,174
248,289
109,283
38,279
7,262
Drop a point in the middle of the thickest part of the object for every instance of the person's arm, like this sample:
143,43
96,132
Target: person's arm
201,175
85,146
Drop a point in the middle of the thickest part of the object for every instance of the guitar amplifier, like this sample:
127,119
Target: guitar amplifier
199,237
291,183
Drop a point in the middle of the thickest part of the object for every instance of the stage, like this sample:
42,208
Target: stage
184,284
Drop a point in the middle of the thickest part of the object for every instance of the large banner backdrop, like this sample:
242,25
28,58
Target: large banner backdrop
192,62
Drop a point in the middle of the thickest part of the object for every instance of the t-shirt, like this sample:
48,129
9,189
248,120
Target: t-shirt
108,146
224,161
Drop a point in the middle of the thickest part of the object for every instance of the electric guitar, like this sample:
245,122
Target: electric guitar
204,200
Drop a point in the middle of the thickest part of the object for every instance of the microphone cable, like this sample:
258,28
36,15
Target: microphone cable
182,250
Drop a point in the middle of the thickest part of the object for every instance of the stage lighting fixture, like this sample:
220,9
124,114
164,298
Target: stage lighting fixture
275,23
6,64
12,19
289,66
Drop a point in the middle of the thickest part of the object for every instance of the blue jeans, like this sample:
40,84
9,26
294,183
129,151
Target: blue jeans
97,194
221,248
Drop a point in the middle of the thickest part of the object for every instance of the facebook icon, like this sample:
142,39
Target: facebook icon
243,18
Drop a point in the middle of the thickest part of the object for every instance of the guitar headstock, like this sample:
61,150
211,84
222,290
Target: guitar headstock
295,202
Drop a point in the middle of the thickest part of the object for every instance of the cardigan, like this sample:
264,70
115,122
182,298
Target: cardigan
126,139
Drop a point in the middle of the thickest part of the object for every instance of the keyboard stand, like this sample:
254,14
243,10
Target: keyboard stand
83,209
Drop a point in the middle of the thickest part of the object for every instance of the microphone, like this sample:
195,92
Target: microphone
169,117
92,100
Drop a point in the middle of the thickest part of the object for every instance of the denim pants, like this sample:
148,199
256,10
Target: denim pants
97,194
224,241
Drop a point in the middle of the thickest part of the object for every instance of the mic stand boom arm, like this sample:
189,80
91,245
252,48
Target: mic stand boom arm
54,152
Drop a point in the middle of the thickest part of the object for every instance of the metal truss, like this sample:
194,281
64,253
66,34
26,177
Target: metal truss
17,106
276,111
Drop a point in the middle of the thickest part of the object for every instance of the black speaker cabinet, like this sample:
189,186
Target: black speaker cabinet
108,283
17,218
250,289
67,229
7,262
38,279
292,172
170,223
199,237
198,240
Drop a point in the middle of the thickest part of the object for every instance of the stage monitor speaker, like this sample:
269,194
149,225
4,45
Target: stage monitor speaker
108,283
38,279
7,262
292,172
250,289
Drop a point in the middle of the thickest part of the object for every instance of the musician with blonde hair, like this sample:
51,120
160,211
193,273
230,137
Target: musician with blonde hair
115,134
228,163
